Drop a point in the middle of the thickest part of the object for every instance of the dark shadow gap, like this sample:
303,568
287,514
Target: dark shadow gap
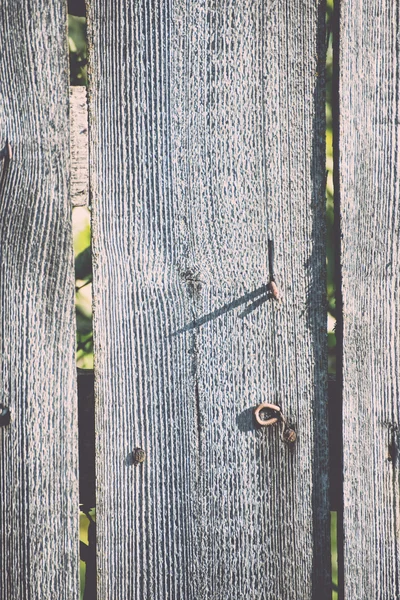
316,297
87,481
338,396
77,39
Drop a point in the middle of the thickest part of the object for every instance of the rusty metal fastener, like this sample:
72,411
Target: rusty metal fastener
289,435
270,407
138,456
272,287
273,290
4,415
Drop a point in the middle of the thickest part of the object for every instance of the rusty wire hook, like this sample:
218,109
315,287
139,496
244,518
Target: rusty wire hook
275,415
268,407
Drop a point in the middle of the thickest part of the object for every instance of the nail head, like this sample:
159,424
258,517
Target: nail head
139,456
289,435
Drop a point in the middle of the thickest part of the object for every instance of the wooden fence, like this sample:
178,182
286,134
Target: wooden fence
206,140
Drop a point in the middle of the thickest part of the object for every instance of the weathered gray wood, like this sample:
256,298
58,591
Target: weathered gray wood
39,552
207,137
79,184
369,199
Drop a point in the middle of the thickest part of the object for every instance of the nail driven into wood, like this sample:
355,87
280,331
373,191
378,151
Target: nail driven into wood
271,259
138,456
273,414
273,290
272,287
289,435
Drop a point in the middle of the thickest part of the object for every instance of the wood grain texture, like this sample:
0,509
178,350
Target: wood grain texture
79,184
369,200
39,507
207,137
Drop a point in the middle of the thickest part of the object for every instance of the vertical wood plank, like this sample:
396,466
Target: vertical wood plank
207,137
39,507
79,184
369,201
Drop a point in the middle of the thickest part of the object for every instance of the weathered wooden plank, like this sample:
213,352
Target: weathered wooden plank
207,137
79,184
39,552
369,201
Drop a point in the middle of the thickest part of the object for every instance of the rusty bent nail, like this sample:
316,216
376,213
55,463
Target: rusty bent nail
273,290
274,408
272,287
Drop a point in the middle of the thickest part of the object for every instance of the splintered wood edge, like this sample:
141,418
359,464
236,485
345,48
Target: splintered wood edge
79,188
